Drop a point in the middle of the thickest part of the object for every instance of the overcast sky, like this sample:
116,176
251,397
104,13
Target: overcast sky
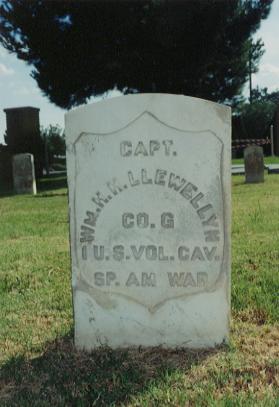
17,88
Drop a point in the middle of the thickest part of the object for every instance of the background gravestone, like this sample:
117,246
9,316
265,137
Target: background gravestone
23,134
24,174
254,164
149,194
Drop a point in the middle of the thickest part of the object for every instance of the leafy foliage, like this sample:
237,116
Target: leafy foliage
79,49
54,138
55,148
253,119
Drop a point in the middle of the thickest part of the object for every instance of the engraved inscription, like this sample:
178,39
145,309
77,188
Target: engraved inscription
150,252
141,220
149,206
187,279
145,279
161,178
149,220
146,149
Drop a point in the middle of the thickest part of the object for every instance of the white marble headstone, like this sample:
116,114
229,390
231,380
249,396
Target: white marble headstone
149,195
24,174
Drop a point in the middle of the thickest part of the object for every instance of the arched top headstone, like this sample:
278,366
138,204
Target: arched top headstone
254,164
149,196
24,174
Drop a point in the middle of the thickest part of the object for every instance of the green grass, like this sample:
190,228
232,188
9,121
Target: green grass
39,365
267,160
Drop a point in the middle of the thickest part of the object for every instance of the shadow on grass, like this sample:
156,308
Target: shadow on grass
50,195
6,192
238,183
63,376
52,182
45,184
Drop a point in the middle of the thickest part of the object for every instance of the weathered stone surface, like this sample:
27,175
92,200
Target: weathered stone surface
254,164
24,174
149,194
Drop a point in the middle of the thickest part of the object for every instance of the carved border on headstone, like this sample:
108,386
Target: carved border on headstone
102,297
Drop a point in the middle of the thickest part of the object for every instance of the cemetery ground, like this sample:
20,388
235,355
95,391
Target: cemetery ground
267,160
39,364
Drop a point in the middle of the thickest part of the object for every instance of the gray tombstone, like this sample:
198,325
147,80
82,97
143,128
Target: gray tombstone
24,174
23,127
23,133
254,164
149,193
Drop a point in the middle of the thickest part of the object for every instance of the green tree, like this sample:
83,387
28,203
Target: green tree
55,139
54,142
253,120
79,49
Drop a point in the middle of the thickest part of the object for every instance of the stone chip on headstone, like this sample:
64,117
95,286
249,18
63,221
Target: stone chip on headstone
24,174
254,164
149,194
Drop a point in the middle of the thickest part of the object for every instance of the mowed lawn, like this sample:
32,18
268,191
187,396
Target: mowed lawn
39,365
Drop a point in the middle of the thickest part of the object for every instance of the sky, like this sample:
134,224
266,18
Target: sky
17,88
